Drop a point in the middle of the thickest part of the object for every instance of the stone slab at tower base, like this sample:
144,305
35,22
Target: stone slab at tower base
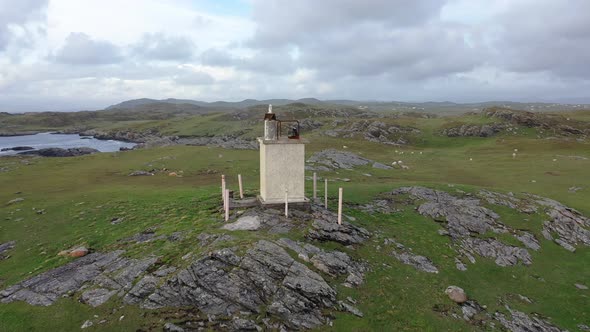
282,166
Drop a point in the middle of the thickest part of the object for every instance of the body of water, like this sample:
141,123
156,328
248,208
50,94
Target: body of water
64,141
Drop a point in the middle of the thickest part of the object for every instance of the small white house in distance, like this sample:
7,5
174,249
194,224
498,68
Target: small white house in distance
282,161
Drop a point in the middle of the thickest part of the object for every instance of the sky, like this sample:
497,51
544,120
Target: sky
58,55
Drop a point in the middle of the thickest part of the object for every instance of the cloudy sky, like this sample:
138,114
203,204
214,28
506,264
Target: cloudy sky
88,54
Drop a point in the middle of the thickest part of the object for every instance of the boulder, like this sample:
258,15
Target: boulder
14,201
78,252
140,173
244,223
456,294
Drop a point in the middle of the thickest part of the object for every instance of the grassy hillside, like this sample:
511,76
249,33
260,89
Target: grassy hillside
80,196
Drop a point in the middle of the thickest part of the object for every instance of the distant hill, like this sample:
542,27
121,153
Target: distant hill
132,104
445,107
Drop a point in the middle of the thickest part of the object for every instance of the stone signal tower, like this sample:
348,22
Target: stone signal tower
282,162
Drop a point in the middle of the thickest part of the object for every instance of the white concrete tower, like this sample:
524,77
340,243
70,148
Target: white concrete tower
282,161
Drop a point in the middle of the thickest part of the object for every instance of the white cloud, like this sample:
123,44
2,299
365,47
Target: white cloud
51,53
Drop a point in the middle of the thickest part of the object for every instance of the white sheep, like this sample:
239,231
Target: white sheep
394,163
420,152
554,159
513,155
399,162
345,147
405,167
412,152
515,150
470,159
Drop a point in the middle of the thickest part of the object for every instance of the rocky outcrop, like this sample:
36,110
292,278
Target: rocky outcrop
224,283
375,131
473,130
333,159
521,322
110,271
329,230
59,152
406,256
4,248
566,226
557,124
465,220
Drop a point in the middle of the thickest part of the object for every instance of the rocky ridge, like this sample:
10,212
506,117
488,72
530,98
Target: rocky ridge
330,159
475,230
374,131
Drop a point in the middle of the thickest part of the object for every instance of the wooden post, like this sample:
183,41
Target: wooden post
326,193
223,189
240,185
339,206
286,203
226,204
315,186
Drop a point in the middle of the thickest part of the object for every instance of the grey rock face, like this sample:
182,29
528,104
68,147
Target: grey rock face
570,227
140,173
96,297
503,254
58,152
4,248
375,131
509,201
324,230
334,159
169,327
521,322
474,130
463,217
245,223
406,256
349,308
529,240
419,262
110,271
224,284
14,201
